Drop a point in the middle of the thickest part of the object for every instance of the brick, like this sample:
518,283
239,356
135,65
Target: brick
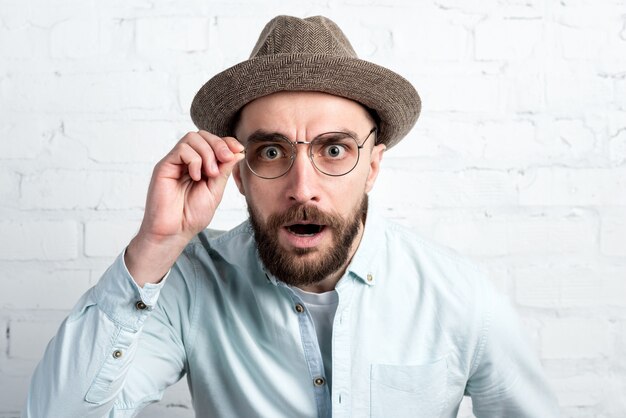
46,14
613,235
573,187
25,137
507,38
527,99
543,235
126,141
462,93
617,147
575,137
555,286
591,89
38,240
4,323
584,390
616,120
418,219
517,143
576,339
467,188
42,288
437,140
97,92
108,238
9,187
13,14
415,40
185,34
75,189
619,85
12,394
513,143
26,42
613,401
445,140
586,15
231,44
80,38
28,339
580,43
226,219
189,84
620,336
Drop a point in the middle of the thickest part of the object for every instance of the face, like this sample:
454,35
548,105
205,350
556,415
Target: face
307,224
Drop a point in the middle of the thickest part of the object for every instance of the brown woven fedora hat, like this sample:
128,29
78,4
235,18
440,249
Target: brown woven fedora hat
309,54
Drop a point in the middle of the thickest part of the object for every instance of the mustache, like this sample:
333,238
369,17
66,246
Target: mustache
310,214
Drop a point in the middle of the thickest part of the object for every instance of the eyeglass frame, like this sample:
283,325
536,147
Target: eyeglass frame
292,157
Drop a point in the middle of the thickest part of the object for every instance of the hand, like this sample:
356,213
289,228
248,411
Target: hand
185,191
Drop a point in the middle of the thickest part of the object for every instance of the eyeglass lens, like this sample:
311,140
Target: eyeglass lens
332,153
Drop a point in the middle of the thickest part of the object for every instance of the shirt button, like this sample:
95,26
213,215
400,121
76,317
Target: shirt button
299,308
370,277
117,354
319,381
140,305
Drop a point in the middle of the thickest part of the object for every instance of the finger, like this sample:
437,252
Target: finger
234,144
195,142
220,147
202,147
188,156
219,182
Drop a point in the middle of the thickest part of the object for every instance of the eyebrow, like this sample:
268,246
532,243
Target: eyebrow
265,136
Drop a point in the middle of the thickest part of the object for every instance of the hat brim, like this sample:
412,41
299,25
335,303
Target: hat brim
393,98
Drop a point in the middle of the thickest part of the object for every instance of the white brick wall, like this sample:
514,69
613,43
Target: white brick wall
519,158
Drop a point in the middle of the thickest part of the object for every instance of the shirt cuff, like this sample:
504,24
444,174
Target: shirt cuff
122,300
149,293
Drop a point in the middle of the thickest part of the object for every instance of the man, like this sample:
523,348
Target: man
315,306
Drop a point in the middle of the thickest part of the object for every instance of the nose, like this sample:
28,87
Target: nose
302,178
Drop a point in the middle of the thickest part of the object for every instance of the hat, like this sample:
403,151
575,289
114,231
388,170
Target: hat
309,54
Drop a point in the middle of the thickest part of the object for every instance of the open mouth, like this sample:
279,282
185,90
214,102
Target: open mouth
305,230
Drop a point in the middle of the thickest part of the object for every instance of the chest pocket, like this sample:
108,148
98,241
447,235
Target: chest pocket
408,391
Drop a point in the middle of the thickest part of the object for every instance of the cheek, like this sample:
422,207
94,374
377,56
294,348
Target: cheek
346,195
262,197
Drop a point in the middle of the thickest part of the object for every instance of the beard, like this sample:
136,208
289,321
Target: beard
296,267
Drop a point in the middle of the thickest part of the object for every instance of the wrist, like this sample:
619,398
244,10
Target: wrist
149,258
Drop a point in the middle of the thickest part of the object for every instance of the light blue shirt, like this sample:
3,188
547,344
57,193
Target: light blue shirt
416,328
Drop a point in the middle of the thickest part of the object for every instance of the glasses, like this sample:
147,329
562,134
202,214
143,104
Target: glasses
270,156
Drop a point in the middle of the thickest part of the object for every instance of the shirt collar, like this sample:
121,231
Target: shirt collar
365,260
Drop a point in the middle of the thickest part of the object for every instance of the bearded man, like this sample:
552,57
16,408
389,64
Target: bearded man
315,306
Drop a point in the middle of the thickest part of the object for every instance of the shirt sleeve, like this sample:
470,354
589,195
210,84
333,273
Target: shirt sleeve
114,353
506,379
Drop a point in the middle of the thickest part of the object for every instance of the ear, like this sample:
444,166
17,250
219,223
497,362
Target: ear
376,158
237,177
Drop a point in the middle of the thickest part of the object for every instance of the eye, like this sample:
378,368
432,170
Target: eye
270,152
334,151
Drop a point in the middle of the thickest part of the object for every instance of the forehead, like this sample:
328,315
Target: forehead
289,111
